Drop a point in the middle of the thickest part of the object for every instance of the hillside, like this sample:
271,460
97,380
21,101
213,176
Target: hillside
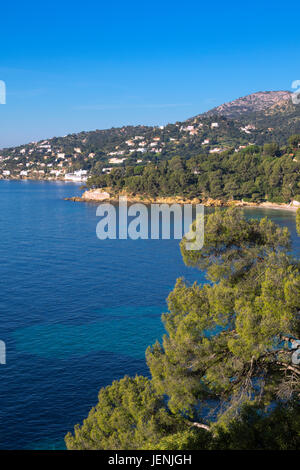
271,113
255,119
253,174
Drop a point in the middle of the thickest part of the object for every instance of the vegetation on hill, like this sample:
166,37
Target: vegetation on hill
255,119
223,375
272,113
254,173
130,145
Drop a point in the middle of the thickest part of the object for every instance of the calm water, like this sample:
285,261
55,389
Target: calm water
75,312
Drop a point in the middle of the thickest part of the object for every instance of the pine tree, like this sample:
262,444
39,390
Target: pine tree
223,376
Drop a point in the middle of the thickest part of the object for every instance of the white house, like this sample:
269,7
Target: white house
44,146
79,176
187,128
116,161
55,172
247,129
120,152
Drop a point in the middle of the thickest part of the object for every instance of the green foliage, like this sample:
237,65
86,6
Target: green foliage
294,140
186,439
224,339
271,149
279,429
232,244
222,378
129,415
252,174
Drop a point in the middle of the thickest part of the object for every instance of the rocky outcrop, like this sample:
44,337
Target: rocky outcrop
100,195
95,195
254,103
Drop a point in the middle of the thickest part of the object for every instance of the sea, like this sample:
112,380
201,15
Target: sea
76,312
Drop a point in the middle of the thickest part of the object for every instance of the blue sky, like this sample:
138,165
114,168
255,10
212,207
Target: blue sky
72,66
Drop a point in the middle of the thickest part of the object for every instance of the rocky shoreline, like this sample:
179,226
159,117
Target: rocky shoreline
101,195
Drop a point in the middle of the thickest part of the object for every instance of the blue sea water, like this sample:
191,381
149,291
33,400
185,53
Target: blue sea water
75,312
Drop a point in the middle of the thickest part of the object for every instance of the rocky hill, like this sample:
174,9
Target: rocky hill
256,103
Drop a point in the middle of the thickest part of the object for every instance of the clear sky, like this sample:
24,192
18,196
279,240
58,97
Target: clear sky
72,66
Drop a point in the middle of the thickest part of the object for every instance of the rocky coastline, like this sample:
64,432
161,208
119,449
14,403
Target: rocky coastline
101,195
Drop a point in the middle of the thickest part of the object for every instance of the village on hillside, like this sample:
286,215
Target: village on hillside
76,156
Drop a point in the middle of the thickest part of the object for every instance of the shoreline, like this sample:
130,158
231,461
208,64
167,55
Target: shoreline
102,195
94,196
46,180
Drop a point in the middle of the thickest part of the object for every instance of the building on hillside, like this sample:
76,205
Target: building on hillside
116,161
79,176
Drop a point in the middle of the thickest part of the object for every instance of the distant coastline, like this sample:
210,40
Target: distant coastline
101,195
51,180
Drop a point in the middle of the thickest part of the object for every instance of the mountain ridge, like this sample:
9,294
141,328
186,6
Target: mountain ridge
249,104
